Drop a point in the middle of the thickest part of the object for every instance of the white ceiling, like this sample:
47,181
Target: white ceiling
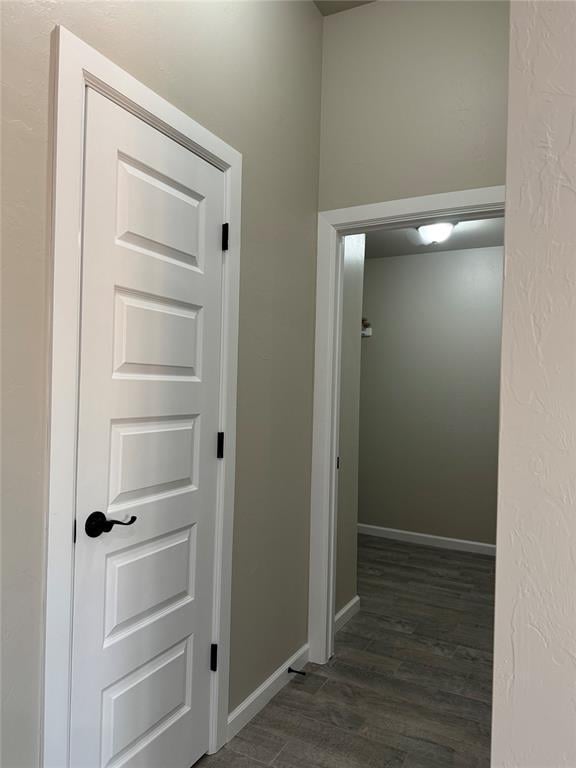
484,233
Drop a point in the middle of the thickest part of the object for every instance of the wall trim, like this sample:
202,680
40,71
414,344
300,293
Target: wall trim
345,614
428,539
258,699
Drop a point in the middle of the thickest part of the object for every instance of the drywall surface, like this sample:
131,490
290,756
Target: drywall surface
429,393
534,716
347,521
250,72
413,100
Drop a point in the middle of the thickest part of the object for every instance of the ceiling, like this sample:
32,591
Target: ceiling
328,7
483,233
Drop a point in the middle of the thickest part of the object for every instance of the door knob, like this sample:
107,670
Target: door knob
97,523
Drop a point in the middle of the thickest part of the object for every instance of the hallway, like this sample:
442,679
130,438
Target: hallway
410,683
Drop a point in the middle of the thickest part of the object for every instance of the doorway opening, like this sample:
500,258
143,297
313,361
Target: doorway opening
405,449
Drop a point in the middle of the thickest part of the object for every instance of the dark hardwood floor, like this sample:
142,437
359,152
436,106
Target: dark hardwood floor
410,683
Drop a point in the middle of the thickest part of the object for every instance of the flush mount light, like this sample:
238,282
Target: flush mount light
435,233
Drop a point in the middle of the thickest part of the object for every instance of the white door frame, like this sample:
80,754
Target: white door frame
75,68
332,227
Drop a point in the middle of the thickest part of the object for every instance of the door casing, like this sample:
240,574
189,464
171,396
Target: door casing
333,226
75,67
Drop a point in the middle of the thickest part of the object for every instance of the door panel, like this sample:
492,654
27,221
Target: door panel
134,593
150,457
147,425
164,685
158,214
156,338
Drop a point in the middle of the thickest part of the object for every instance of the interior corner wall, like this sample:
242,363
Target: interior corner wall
251,73
535,652
413,100
430,380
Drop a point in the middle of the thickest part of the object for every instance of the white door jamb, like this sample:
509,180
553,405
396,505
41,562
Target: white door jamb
332,227
76,67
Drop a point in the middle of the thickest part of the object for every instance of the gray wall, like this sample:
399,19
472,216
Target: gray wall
535,641
250,72
413,100
347,521
429,393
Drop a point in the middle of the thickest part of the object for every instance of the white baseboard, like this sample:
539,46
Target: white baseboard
345,614
428,539
258,699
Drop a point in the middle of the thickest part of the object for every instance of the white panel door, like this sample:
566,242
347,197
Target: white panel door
147,431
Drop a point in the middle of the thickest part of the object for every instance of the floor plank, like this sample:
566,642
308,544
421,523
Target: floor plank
410,682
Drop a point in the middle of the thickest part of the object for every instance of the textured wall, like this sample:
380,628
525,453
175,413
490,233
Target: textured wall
347,523
429,393
413,100
250,72
535,650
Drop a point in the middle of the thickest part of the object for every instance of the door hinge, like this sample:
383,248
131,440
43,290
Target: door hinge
225,236
213,658
220,446
337,462
74,531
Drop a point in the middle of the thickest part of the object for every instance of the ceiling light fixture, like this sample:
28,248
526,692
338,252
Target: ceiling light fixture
435,233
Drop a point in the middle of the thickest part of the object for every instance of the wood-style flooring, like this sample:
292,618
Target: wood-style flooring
410,683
